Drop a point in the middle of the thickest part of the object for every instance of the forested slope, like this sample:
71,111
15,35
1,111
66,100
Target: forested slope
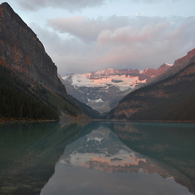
171,98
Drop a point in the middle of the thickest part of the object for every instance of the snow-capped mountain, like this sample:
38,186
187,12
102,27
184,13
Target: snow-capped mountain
103,89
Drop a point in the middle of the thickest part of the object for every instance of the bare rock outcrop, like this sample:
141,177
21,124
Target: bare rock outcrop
21,50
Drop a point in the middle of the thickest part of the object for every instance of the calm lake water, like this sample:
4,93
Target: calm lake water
97,158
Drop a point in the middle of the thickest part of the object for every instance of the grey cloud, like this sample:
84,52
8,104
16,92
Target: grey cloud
69,54
140,42
86,28
131,34
70,5
89,29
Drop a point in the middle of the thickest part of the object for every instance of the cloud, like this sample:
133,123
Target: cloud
130,34
116,42
70,5
86,28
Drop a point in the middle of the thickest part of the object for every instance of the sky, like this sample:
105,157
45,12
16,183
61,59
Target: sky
89,35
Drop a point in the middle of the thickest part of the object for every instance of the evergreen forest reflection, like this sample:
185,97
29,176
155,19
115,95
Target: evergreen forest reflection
97,158
28,153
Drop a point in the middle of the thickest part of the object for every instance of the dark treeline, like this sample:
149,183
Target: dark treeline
179,107
169,99
16,102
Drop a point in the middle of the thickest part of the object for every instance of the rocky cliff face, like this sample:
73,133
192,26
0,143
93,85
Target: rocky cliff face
179,64
170,98
154,73
27,71
21,50
103,89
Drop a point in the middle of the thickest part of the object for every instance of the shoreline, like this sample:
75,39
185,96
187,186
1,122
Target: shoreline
158,121
103,120
26,121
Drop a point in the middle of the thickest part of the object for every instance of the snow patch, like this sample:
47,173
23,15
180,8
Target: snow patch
168,64
95,139
83,80
97,100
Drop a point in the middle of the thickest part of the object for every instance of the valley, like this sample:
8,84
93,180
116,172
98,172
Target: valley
102,90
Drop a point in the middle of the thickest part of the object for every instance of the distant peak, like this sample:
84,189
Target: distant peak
167,64
7,11
109,69
8,14
6,6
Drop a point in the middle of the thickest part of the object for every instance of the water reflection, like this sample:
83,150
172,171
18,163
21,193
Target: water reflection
127,158
28,153
170,144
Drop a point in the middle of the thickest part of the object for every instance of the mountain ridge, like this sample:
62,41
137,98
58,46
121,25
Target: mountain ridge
103,89
169,98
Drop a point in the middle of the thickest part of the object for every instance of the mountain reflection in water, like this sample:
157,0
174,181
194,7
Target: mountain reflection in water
127,158
28,153
97,158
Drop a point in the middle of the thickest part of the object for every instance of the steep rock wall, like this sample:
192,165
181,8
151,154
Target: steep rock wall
24,53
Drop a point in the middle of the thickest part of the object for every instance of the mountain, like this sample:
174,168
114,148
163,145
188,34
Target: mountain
170,97
102,90
87,110
29,84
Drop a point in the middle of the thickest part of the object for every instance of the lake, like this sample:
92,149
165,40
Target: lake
97,158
